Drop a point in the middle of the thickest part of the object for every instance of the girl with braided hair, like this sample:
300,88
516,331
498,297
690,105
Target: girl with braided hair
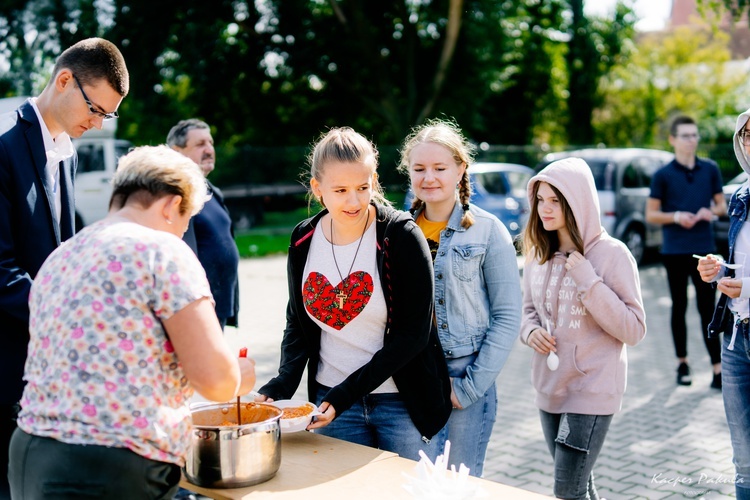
477,286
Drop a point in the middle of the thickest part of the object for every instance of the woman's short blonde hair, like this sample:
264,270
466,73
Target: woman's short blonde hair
148,173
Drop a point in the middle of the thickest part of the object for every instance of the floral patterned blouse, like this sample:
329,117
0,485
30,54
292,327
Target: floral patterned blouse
101,369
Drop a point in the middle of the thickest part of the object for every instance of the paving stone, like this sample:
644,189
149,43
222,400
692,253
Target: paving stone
604,470
651,492
662,428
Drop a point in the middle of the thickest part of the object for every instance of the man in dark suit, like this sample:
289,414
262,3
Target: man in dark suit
210,233
37,168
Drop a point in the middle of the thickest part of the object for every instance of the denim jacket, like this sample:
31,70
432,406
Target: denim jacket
477,298
738,207
737,211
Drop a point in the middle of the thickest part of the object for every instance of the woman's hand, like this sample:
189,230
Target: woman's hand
731,287
328,414
574,259
709,268
542,341
704,214
247,374
262,398
454,398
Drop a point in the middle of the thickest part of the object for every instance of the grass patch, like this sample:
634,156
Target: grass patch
272,236
251,244
284,220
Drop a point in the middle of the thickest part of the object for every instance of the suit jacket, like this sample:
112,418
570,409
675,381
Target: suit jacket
190,238
28,233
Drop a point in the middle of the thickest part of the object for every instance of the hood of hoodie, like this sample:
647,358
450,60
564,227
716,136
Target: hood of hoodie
739,149
573,178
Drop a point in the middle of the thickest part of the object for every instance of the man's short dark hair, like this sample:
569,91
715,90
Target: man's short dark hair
680,120
95,59
178,134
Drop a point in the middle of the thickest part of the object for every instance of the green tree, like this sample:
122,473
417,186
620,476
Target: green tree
517,83
275,73
682,71
735,7
32,34
595,46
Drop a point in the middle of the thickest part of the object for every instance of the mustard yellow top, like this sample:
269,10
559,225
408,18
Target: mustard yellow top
431,231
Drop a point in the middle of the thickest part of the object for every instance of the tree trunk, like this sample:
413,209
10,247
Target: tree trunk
452,30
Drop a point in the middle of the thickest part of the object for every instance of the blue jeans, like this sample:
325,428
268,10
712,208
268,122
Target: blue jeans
575,441
469,429
381,421
735,378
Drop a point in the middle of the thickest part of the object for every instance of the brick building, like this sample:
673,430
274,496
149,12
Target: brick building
685,13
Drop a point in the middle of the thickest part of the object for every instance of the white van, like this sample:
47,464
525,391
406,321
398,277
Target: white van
98,152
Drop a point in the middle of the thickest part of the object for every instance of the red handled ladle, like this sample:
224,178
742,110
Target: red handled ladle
243,354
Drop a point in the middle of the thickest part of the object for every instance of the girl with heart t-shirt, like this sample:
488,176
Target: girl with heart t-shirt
360,311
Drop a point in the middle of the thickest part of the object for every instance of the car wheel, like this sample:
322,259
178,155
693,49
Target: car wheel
636,243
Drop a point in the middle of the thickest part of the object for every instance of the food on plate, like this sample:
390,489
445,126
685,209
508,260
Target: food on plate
296,411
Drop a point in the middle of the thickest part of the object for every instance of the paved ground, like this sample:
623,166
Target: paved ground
668,441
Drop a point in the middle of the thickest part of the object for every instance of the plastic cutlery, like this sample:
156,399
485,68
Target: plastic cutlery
721,262
552,360
243,354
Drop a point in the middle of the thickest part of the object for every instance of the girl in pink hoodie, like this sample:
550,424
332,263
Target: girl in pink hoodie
582,304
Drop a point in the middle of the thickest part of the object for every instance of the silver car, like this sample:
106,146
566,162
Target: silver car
623,182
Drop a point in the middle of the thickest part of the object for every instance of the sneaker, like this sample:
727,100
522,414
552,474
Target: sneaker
716,382
683,375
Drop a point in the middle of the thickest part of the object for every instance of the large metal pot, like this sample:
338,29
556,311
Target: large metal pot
223,454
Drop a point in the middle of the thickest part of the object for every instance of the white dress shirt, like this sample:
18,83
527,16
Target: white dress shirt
58,149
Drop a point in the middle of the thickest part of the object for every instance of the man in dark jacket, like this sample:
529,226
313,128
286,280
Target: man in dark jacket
37,167
210,233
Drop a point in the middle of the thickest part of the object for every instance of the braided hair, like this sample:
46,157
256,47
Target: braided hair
464,195
447,134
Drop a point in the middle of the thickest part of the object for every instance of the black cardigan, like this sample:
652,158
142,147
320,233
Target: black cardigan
411,351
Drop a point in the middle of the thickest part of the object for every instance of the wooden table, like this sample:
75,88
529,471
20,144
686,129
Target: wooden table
316,466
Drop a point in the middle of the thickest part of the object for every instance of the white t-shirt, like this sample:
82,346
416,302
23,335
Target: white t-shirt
742,256
57,150
351,312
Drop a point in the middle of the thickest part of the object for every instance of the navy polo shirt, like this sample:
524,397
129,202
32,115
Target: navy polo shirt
687,190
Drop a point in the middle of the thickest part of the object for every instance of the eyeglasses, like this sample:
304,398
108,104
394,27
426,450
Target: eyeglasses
92,109
687,137
745,137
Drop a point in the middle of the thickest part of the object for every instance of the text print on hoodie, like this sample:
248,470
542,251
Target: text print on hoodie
593,309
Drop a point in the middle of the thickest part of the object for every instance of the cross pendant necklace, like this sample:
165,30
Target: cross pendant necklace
343,296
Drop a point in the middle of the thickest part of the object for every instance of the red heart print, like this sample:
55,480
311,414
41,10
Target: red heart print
321,301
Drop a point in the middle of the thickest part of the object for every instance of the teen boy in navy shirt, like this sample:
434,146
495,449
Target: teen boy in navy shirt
686,195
